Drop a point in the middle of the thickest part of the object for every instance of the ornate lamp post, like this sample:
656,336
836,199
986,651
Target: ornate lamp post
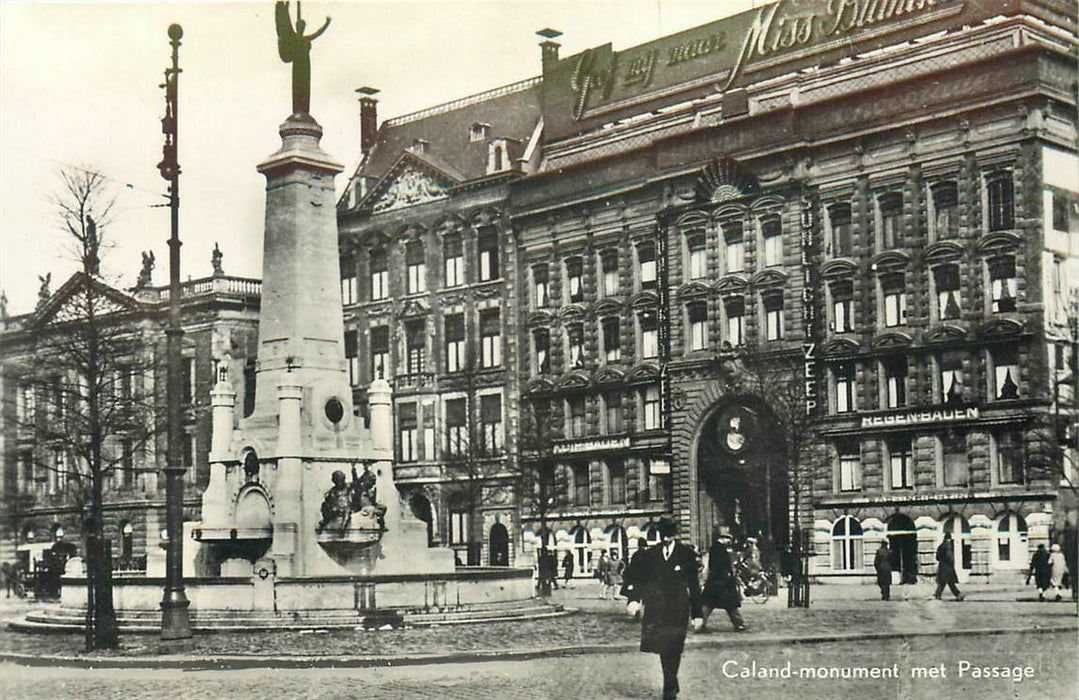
175,623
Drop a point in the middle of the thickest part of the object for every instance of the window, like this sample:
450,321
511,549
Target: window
772,233
380,275
1003,284
1005,373
490,338
541,350
844,387
250,381
890,209
612,412
850,468
189,448
488,250
651,407
951,377
416,346
698,256
649,338
616,481
453,259
842,306
954,456
581,486
847,544
655,473
1000,200
540,286
491,423
456,427
348,281
946,279
575,345
1009,456
1012,539
895,381
455,342
609,263
735,308
612,344
380,352
187,397
773,317
408,424
458,527
127,464
352,357
901,463
697,313
842,230
945,215
574,282
575,417
893,287
1060,211
646,259
415,267
733,246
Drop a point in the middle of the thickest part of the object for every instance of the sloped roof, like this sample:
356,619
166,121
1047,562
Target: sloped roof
112,300
511,111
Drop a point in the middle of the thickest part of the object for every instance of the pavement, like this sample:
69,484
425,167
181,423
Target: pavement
838,614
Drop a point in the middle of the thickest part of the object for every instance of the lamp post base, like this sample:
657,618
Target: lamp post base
175,620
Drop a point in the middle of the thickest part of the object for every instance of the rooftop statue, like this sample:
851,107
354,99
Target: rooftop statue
295,48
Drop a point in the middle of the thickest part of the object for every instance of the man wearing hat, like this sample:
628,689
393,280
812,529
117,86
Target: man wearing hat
665,581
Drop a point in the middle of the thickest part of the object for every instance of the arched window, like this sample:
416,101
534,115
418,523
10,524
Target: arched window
696,256
619,546
582,555
651,533
127,540
959,527
847,544
1011,536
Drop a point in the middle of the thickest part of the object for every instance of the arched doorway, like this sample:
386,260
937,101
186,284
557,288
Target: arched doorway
742,472
962,552
420,506
903,541
582,553
498,546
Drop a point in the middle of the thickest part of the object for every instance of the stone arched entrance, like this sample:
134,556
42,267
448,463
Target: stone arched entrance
903,543
742,484
498,543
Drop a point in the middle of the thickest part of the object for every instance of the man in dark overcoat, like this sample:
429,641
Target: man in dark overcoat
946,575
666,583
1039,568
882,563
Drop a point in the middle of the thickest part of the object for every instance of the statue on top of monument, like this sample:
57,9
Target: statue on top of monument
43,292
295,48
344,499
147,271
215,259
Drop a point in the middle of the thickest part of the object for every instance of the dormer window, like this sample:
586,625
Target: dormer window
479,132
419,146
498,158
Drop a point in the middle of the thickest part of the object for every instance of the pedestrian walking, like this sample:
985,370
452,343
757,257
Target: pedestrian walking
1039,569
667,584
567,568
721,586
1057,569
629,588
618,567
603,573
882,562
946,575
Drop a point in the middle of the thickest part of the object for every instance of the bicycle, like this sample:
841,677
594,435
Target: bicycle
752,582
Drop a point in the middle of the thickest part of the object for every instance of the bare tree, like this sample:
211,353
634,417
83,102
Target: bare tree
541,487
83,393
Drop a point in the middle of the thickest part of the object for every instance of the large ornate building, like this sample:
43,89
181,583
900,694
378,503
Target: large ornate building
809,269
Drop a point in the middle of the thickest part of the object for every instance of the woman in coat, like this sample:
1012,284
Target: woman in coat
1039,569
721,587
1057,568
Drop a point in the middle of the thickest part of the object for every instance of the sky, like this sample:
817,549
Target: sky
79,87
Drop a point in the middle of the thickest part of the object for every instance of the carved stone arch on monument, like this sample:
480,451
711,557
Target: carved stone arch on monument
253,507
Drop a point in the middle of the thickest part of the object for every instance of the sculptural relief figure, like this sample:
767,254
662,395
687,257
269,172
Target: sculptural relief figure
43,292
344,499
147,271
215,259
295,48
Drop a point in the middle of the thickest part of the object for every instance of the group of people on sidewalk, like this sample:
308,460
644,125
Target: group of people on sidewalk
1049,569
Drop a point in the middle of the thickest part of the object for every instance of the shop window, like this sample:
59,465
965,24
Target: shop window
697,313
646,261
490,338
487,245
416,346
380,275
575,345
1005,372
894,290
890,213
772,236
1009,456
380,352
841,230
733,246
735,310
842,292
574,279
455,342
612,412
847,544
348,280
541,350
945,218
895,381
408,425
453,255
352,357
456,427
850,467
609,265
540,286
1003,284
491,423
698,256
845,393
773,316
612,344
1000,201
575,417
946,279
954,455
901,463
951,377
646,321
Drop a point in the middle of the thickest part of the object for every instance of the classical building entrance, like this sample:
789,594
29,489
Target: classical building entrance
742,475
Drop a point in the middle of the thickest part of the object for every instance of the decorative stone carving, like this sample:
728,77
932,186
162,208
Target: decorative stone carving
412,186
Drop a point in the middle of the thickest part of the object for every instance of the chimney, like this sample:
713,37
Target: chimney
549,48
368,118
